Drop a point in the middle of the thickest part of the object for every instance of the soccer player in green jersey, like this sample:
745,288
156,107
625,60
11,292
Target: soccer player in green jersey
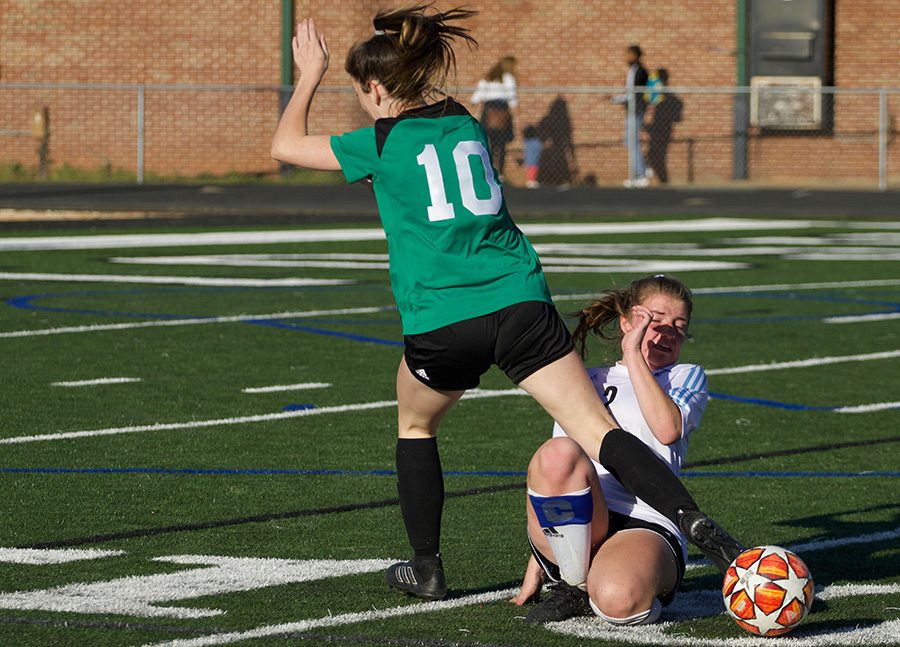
468,284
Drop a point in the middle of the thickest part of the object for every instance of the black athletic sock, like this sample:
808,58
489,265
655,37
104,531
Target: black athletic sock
420,483
644,474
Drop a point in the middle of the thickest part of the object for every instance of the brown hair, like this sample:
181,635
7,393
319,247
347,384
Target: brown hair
601,316
411,53
506,65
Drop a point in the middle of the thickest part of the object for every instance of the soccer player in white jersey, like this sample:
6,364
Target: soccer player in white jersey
601,548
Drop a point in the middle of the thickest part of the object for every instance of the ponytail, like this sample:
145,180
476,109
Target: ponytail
601,317
411,53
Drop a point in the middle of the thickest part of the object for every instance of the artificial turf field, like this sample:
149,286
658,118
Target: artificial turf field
173,507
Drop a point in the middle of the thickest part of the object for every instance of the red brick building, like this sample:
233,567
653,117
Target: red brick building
564,48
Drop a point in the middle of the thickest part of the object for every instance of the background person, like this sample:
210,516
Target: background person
636,77
616,555
666,113
532,147
497,94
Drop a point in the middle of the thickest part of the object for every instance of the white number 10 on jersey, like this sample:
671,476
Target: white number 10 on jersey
440,208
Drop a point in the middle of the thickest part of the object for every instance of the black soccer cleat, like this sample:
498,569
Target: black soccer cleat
565,601
405,576
720,547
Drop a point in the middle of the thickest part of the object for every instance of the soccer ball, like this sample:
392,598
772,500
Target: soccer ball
768,590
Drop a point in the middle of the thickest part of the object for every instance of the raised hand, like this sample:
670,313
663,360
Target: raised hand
636,328
310,51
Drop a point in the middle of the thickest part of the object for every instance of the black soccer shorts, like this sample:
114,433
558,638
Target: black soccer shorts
521,339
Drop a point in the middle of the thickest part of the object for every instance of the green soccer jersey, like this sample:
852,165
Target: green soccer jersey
454,251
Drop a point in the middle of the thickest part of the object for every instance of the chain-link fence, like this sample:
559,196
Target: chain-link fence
774,136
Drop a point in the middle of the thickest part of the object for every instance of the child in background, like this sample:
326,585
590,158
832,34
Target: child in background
533,147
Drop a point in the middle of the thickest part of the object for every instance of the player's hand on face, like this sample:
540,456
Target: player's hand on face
639,322
310,51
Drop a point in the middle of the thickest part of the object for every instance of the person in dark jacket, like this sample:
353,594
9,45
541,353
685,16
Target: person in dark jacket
637,77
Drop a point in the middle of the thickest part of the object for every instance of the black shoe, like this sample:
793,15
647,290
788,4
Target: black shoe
564,601
720,547
407,576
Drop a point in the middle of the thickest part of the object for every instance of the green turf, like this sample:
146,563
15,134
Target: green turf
197,372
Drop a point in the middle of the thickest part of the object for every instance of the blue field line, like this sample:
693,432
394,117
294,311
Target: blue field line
275,323
186,471
775,404
27,303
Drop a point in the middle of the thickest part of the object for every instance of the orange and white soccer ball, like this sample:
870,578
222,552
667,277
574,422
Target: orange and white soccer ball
768,590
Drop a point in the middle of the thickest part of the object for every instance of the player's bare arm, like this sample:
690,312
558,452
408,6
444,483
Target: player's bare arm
292,143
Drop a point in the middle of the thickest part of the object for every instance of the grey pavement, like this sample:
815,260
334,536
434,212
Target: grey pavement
285,204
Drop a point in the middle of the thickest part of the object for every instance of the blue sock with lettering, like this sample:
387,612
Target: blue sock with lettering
566,522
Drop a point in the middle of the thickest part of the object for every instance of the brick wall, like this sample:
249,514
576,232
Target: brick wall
563,43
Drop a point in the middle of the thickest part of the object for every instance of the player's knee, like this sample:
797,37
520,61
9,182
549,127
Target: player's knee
619,598
556,461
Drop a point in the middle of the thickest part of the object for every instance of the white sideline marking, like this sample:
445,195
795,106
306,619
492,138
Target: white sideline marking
99,381
142,595
302,314
379,262
168,280
39,556
881,238
777,287
870,255
553,266
827,544
287,387
866,408
845,319
244,260
838,591
131,241
474,394
823,544
700,603
804,363
338,620
687,605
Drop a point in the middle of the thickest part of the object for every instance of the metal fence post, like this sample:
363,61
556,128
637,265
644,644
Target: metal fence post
631,132
882,139
140,134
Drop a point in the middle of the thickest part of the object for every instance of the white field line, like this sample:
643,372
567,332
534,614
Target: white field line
866,408
823,544
244,260
874,254
551,266
804,363
339,620
302,314
42,556
557,264
168,280
98,381
303,386
132,241
475,394
777,287
881,238
692,604
881,316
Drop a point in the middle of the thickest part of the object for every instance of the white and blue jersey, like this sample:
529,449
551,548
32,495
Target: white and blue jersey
686,385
